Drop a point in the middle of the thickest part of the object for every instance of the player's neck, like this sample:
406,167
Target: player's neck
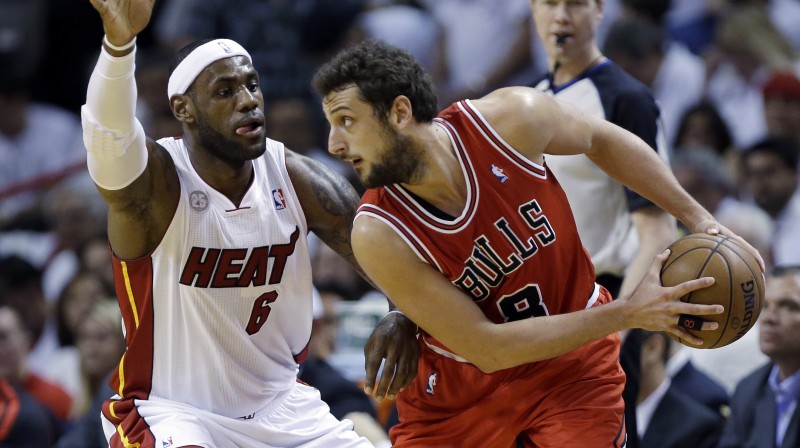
442,183
565,69
232,181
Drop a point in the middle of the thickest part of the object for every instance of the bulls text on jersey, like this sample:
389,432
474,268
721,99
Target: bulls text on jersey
485,268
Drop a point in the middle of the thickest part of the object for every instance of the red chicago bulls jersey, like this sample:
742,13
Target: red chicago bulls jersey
514,249
516,252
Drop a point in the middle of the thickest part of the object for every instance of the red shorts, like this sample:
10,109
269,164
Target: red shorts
574,400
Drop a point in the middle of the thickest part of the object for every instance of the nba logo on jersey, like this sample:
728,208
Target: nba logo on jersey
431,383
498,173
277,198
166,443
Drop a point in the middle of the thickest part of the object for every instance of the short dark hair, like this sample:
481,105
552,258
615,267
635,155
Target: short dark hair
382,73
634,38
785,149
653,10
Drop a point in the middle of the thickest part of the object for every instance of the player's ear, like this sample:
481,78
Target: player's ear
182,108
401,114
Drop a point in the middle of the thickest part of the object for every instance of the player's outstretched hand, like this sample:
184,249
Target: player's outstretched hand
395,340
714,228
123,19
658,308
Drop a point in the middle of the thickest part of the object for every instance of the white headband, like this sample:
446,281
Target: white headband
201,57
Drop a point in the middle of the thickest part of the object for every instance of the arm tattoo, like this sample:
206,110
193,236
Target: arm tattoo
332,194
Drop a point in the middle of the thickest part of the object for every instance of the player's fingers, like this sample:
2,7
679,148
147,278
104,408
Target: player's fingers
686,287
386,379
372,364
716,229
753,251
685,336
658,261
696,309
403,375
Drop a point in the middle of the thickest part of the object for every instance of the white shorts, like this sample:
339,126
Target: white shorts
302,420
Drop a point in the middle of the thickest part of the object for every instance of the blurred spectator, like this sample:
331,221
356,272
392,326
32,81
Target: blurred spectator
703,126
784,14
782,105
665,417
21,27
345,399
675,75
88,431
484,47
405,24
24,423
702,173
100,345
769,174
56,357
747,48
692,23
693,382
20,287
329,271
95,257
152,108
15,343
40,145
724,364
75,214
764,411
77,298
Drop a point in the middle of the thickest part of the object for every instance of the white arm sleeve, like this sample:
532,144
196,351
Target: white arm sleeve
114,138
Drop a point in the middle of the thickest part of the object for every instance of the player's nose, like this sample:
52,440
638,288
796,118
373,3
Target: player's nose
336,144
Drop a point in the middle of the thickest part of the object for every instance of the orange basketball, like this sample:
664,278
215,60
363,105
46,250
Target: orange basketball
739,285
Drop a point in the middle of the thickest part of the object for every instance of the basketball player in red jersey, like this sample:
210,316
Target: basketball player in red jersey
469,234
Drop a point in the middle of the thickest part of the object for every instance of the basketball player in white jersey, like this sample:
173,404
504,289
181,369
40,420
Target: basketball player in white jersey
208,238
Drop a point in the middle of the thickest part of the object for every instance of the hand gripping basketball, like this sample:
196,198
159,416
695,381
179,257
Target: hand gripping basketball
659,308
739,285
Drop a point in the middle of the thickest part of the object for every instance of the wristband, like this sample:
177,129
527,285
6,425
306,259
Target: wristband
116,48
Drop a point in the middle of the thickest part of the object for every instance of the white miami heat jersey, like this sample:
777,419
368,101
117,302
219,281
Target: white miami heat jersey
219,315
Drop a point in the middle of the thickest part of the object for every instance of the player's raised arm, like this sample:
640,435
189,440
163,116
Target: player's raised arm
141,190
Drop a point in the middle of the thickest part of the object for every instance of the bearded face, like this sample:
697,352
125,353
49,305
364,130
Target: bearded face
399,163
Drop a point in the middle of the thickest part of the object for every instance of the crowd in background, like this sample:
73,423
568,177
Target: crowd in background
726,75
